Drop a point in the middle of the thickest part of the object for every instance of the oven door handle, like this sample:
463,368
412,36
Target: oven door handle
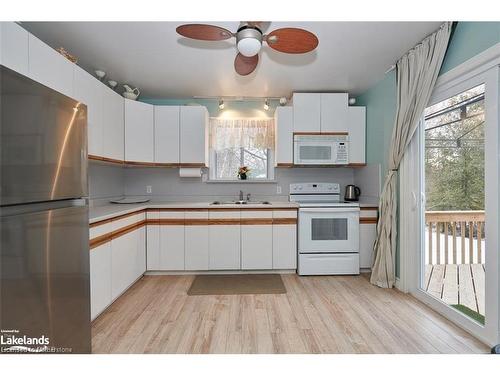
336,210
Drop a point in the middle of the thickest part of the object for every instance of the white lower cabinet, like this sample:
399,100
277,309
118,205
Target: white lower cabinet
100,279
256,240
140,253
196,241
284,239
284,246
153,242
367,237
224,240
171,241
123,264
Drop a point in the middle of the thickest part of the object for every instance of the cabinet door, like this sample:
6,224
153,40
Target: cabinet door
172,241
224,240
283,120
284,246
167,134
306,112
14,47
334,113
367,236
88,91
113,124
153,242
123,265
256,240
100,279
357,137
194,135
139,131
140,252
49,67
196,237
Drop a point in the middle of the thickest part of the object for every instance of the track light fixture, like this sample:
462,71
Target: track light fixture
266,105
221,104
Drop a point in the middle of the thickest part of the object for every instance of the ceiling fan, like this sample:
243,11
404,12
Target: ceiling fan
249,38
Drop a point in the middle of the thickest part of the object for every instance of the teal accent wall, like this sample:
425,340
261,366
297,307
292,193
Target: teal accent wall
468,40
380,103
243,108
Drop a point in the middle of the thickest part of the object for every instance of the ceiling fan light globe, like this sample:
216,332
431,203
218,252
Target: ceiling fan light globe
249,46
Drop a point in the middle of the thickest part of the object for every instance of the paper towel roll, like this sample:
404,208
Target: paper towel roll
190,172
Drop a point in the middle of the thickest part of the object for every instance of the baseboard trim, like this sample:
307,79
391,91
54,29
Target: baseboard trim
228,272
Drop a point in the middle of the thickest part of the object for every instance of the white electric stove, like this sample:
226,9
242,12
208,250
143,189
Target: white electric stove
328,230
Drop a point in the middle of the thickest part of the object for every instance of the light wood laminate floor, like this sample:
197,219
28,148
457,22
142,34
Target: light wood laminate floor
320,314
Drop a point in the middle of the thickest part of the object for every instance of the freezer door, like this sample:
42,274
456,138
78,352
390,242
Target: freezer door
43,142
44,286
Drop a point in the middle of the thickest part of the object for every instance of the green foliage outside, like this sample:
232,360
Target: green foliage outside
454,155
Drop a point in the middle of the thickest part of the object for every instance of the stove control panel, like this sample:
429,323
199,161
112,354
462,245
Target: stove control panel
315,188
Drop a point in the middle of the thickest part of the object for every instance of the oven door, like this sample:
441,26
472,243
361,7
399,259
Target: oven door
329,230
312,152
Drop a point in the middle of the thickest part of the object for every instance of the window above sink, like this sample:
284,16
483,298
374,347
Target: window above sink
235,143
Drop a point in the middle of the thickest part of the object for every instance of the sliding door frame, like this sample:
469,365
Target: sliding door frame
483,68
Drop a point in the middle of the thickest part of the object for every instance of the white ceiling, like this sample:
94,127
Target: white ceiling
351,56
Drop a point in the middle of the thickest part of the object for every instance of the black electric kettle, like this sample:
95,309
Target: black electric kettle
352,193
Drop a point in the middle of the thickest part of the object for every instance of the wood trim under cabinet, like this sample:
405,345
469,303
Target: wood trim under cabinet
368,220
285,221
105,159
114,218
98,241
368,208
284,165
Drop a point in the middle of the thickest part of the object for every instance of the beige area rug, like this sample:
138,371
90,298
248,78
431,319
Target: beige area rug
236,284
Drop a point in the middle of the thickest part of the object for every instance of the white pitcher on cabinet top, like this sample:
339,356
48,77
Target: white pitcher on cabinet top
131,93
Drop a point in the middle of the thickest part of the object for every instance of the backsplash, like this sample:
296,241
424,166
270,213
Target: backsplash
106,181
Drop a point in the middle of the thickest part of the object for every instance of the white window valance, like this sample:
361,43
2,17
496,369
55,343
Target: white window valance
242,132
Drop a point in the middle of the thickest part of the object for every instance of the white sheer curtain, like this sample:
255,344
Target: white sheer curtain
241,132
417,72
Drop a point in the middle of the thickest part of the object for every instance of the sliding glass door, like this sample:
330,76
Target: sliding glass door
456,156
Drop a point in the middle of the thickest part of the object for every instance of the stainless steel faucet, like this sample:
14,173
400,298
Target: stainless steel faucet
241,195
248,197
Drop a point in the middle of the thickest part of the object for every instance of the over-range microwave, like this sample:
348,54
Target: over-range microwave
320,149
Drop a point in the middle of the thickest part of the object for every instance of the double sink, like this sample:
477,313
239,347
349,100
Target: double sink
239,202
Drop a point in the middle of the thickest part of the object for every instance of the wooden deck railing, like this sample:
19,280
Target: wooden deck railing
454,237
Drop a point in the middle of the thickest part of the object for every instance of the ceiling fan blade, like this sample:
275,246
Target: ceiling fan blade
204,32
245,65
292,40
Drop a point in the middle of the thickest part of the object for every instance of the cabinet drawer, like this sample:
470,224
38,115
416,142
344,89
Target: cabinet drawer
328,264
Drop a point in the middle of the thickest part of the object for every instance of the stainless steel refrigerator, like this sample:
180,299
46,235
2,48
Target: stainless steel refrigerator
44,253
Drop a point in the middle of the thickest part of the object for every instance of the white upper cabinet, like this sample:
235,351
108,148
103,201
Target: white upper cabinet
193,135
283,121
357,136
334,112
14,47
139,131
113,127
306,112
49,67
166,131
88,90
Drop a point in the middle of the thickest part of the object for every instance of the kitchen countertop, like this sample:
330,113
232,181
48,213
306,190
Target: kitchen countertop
108,211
